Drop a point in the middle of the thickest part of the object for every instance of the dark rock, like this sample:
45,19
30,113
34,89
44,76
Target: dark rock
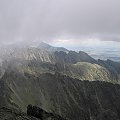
41,114
12,114
108,115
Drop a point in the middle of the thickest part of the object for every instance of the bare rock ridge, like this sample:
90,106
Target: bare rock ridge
44,54
50,48
61,84
62,95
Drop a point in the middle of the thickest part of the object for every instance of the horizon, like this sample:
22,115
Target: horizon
88,25
63,22
98,50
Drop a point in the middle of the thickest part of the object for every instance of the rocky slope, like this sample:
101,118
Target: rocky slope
76,65
33,53
70,84
67,97
73,57
80,70
50,48
13,114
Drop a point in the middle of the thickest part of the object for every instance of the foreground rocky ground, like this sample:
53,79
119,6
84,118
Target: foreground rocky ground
13,114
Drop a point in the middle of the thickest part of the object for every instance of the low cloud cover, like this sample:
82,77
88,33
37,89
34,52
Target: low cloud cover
54,20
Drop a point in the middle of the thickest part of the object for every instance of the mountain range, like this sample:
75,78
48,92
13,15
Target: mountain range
70,84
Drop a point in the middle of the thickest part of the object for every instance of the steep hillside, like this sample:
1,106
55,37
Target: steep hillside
88,71
76,65
45,55
112,67
27,53
70,84
80,70
50,48
70,98
73,57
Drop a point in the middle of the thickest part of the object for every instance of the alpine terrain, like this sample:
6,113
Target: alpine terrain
52,83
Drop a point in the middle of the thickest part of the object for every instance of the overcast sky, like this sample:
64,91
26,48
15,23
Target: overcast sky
58,22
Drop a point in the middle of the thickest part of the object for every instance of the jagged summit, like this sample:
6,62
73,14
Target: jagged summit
50,48
70,84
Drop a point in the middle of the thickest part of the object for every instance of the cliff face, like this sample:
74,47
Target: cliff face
50,48
76,65
70,98
71,85
80,70
73,57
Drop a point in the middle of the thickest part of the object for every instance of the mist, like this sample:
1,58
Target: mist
54,20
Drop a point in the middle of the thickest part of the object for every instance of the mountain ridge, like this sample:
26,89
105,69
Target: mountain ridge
50,48
70,84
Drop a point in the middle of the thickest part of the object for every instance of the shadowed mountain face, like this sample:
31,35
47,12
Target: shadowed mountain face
70,84
73,57
13,114
70,98
41,114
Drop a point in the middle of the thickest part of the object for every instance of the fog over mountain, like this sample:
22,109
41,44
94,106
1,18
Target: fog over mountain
52,83
59,60
53,20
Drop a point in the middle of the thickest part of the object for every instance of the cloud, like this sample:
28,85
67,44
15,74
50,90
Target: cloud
50,20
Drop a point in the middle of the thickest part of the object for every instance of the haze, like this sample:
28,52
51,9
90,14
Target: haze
68,23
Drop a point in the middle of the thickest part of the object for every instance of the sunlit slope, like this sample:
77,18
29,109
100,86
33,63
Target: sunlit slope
88,71
80,70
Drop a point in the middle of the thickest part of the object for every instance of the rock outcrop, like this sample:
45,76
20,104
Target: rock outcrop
67,84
